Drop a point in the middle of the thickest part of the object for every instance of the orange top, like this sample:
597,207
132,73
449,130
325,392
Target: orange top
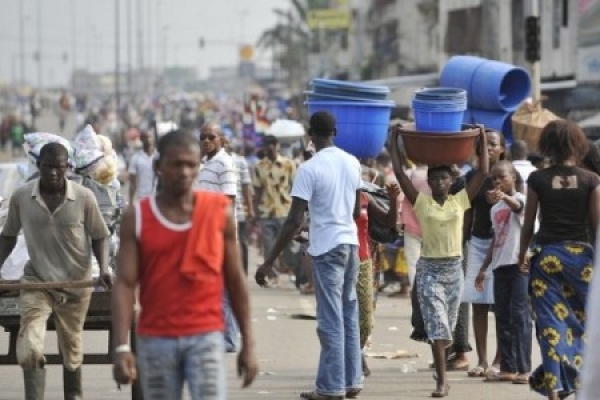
180,293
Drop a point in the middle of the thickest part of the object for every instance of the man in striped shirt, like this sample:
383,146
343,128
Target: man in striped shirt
218,174
244,208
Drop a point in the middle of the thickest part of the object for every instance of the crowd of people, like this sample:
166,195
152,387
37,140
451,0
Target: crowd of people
510,233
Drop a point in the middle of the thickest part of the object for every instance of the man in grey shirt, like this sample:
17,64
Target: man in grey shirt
63,226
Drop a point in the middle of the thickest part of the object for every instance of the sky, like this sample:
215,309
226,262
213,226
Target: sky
84,32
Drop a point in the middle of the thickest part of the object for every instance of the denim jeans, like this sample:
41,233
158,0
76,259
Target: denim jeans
231,334
513,319
335,274
166,363
270,228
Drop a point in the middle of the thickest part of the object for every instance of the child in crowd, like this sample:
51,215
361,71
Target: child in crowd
513,317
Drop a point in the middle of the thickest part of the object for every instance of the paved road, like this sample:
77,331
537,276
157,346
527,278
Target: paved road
288,350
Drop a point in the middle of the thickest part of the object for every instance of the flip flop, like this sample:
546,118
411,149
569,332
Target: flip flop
500,377
457,366
521,379
477,372
441,393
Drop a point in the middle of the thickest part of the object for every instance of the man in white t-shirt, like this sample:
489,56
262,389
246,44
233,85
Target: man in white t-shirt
328,185
142,180
518,155
219,174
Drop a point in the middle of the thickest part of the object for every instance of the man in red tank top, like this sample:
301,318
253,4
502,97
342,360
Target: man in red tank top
180,248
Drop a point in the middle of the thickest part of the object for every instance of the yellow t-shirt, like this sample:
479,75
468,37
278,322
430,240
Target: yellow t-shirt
441,224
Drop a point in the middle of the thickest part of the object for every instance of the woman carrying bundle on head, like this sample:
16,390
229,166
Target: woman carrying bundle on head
439,269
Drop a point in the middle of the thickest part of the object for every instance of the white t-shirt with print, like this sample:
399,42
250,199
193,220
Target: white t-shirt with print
328,182
507,225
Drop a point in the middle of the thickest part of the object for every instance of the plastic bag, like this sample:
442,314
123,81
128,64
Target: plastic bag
528,122
35,141
15,263
87,148
105,170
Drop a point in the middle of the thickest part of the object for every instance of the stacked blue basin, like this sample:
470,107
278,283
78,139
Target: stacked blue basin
439,109
362,113
494,89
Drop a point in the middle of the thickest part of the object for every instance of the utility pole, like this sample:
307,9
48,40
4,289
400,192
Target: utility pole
129,47
39,45
117,56
140,32
21,45
73,35
533,47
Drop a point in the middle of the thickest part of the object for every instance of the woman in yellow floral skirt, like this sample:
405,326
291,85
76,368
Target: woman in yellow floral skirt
561,263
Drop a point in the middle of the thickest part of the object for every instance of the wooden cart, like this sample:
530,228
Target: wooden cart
98,318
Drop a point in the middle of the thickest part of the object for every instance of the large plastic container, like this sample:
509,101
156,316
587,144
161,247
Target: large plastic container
490,85
438,149
498,120
352,89
314,96
362,128
438,116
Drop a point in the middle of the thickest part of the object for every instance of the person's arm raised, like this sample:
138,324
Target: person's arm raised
483,167
397,163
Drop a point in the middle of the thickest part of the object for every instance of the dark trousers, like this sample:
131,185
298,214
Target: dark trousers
513,318
243,240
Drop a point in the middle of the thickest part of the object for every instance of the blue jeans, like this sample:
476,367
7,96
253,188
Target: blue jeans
166,363
335,274
513,319
231,334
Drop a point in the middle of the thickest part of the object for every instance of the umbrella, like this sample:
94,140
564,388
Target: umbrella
286,129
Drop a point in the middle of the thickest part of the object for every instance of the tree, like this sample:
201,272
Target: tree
289,40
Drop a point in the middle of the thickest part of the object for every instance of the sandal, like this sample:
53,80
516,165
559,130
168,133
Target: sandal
477,372
521,379
457,365
500,377
353,393
316,396
441,392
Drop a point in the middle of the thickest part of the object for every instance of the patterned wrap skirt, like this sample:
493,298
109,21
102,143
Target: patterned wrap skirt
560,277
364,293
439,289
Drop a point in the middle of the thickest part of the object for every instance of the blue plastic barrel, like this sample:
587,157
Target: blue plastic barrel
362,128
498,120
491,85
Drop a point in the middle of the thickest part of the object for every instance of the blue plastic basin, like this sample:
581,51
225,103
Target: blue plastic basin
362,128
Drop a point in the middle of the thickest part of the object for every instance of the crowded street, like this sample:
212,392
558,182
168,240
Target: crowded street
299,199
